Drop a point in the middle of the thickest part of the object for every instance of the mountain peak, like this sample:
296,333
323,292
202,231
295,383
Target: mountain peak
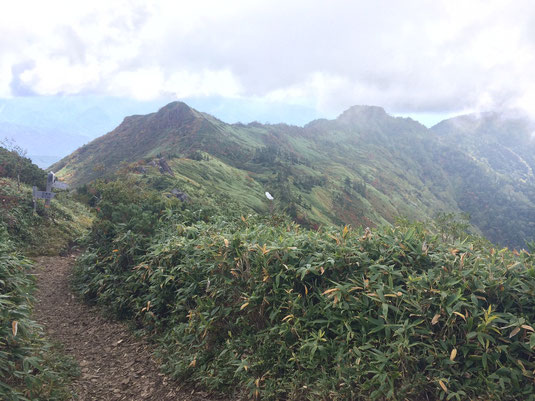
176,111
367,112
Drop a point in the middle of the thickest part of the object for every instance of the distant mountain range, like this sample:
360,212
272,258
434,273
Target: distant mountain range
363,168
51,127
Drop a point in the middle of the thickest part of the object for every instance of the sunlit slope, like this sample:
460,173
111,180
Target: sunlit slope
363,168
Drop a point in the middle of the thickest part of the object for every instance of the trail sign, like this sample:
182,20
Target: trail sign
46,195
60,185
43,194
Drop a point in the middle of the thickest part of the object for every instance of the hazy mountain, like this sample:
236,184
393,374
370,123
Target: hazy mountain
60,124
364,167
490,163
50,127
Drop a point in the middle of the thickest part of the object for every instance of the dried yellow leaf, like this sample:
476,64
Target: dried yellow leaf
526,327
14,327
460,314
435,319
453,354
287,318
192,363
226,242
329,291
514,332
244,306
443,386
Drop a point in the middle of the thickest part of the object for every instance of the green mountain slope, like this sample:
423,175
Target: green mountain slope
363,168
490,162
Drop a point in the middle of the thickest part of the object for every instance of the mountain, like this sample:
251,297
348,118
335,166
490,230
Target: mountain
363,168
50,127
490,162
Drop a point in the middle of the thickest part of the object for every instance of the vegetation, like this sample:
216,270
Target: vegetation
31,368
364,168
15,165
409,311
48,231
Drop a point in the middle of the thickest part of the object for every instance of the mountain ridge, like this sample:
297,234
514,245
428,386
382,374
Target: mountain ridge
365,167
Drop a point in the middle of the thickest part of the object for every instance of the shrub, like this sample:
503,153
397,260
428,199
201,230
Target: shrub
289,313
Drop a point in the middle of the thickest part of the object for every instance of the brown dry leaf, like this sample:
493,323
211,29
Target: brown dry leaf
435,319
453,354
192,363
244,306
454,251
329,291
514,332
462,259
14,327
226,242
526,327
424,247
443,386
334,238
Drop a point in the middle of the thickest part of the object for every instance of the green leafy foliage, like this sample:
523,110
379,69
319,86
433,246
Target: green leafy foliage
14,165
282,312
30,369
49,231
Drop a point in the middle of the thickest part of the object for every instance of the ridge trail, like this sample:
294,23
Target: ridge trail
114,364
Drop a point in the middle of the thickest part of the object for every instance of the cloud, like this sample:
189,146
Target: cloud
411,56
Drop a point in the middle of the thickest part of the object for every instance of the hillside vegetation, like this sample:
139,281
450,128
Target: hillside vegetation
263,306
30,368
364,168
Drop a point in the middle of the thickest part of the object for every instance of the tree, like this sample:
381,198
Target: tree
19,157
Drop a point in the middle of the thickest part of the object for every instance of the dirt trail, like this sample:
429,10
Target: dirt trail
114,364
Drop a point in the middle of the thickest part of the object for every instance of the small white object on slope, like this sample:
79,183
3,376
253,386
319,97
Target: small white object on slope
268,195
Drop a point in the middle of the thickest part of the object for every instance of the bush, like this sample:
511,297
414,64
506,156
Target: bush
289,313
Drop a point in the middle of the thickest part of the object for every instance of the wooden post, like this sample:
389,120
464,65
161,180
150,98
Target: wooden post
49,182
34,199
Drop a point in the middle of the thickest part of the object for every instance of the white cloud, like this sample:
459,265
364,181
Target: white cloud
411,56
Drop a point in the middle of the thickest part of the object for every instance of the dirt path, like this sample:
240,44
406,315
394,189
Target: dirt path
114,364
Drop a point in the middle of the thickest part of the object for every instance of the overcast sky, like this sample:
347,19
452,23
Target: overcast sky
426,57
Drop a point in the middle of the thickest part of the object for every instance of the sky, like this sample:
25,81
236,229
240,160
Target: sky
278,59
